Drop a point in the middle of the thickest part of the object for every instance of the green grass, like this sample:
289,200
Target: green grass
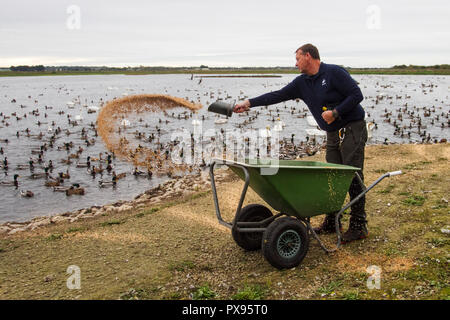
439,242
414,200
391,250
174,296
203,293
182,266
74,229
150,211
431,275
111,223
135,294
388,189
416,165
351,295
250,292
329,288
54,236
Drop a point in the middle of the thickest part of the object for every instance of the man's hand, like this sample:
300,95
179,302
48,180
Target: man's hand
242,106
328,116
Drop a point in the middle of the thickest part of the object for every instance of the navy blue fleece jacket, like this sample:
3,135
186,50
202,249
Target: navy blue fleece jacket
332,86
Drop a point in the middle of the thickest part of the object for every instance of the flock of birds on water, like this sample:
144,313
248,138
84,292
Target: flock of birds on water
407,120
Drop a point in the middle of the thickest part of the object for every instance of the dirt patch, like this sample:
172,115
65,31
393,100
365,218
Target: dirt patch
355,262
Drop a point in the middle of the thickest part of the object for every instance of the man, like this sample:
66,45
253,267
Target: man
333,97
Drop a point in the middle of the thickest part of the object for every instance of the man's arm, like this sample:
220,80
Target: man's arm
287,93
348,87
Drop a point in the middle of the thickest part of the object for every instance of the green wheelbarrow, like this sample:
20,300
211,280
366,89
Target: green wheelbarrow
297,190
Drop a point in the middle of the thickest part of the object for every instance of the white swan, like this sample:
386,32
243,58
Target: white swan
265,133
93,108
315,133
278,125
125,123
221,120
311,121
370,126
79,117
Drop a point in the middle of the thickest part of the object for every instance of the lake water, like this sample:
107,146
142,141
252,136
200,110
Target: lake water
48,96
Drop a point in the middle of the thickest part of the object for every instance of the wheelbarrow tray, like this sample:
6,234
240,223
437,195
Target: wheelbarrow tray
298,188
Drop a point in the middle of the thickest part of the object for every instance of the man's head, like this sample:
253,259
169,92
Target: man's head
307,59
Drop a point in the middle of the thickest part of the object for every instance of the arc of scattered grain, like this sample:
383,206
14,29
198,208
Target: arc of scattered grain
119,108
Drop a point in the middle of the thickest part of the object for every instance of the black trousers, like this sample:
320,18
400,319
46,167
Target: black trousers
349,150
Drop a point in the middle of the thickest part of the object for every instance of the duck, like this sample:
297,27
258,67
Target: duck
66,161
26,194
137,172
104,184
54,183
73,190
60,189
86,164
15,182
95,170
22,166
119,176
99,159
39,175
63,175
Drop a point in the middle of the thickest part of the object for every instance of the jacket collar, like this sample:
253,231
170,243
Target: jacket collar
322,68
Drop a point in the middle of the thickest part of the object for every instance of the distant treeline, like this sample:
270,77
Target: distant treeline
442,69
437,66
27,68
41,68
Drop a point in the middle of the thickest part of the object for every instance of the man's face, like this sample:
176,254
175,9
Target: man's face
301,61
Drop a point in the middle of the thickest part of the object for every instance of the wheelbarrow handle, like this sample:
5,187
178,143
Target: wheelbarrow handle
365,190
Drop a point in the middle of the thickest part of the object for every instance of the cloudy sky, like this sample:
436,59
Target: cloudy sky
231,33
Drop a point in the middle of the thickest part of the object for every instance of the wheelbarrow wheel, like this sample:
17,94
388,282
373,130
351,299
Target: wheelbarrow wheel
285,243
250,241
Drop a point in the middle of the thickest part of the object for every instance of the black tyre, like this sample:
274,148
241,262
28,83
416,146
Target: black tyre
285,243
250,240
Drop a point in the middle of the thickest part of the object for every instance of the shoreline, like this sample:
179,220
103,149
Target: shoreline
178,187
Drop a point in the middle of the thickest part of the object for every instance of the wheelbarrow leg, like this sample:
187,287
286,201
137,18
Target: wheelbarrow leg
216,200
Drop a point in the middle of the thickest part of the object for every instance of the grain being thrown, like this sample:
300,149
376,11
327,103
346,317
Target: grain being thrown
113,120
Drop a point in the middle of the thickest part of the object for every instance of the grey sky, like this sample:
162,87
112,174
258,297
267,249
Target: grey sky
224,33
